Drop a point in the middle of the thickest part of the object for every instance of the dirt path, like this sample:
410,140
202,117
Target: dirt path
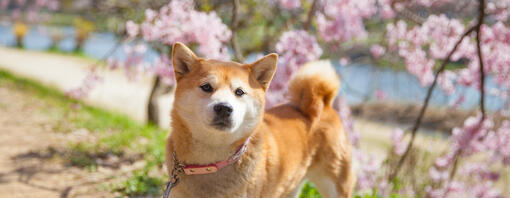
29,166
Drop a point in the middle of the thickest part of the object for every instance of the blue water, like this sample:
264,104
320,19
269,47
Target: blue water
358,81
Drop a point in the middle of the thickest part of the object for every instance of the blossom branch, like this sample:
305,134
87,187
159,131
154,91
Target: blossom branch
270,39
311,13
112,50
234,25
405,13
481,17
417,124
410,15
92,79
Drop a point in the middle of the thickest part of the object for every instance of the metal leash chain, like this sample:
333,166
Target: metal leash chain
174,178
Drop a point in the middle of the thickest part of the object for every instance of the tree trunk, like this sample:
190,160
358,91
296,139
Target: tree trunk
158,89
19,42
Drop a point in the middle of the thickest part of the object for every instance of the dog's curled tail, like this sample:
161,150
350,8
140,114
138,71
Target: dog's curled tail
314,87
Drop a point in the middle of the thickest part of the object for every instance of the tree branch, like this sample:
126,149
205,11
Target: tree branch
411,16
311,13
478,27
417,124
110,52
269,39
405,13
481,17
234,25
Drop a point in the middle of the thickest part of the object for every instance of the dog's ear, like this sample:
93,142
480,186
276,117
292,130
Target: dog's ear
183,59
264,69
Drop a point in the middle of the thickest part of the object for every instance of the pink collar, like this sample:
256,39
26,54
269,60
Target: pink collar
194,169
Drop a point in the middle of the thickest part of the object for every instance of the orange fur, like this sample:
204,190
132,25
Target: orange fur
314,87
290,143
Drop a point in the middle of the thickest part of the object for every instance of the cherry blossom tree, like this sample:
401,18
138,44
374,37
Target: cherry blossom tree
477,40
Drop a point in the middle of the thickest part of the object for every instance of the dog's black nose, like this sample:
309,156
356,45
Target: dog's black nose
223,109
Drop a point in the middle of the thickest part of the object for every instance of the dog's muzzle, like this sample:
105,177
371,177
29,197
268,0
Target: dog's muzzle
223,116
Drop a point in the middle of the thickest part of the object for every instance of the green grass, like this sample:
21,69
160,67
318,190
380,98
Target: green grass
141,184
79,53
309,191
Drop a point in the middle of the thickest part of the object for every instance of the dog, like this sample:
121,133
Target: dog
225,144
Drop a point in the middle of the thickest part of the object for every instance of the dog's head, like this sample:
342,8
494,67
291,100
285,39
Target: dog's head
215,97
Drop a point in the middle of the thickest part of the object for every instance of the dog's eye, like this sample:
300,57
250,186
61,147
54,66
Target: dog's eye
239,92
206,87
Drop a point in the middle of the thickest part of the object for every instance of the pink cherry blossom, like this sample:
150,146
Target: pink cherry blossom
499,8
342,20
367,175
163,68
295,48
290,4
498,143
445,81
385,9
150,15
113,63
179,21
132,28
480,171
4,4
440,33
377,51
466,139
134,64
438,175
456,103
89,82
380,94
344,61
445,160
398,145
341,106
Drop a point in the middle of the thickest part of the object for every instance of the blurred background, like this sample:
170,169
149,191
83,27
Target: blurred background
86,88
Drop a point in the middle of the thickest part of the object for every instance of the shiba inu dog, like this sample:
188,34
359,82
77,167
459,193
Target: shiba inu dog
225,144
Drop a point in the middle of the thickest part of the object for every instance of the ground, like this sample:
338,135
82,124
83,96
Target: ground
29,164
